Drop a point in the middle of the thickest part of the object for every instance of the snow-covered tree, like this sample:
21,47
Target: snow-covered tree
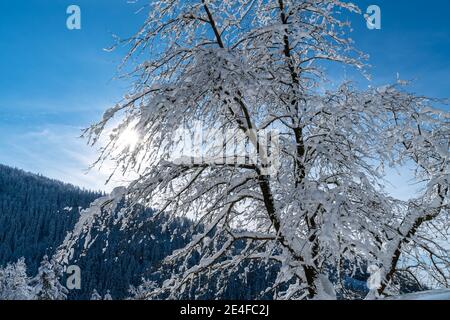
108,296
15,283
248,66
95,295
142,291
46,284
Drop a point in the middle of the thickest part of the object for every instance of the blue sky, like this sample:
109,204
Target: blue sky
54,82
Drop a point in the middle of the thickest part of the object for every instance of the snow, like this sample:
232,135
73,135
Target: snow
442,294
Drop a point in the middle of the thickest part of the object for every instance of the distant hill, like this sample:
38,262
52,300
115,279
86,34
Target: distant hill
36,213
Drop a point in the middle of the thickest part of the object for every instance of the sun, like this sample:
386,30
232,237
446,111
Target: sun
129,138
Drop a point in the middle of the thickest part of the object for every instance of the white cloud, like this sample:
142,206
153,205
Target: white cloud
57,152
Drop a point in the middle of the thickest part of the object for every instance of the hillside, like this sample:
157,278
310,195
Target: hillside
36,213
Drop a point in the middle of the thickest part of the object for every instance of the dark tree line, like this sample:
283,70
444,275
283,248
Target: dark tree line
36,213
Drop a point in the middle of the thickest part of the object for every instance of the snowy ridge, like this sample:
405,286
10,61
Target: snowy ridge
443,294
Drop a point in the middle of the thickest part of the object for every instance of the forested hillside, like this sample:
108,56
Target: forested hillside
36,213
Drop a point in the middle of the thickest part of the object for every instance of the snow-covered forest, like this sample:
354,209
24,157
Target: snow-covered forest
251,176
36,214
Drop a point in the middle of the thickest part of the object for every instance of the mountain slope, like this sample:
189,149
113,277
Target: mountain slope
35,214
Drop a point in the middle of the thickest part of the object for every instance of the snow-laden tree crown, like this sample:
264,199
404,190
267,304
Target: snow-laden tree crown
250,66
